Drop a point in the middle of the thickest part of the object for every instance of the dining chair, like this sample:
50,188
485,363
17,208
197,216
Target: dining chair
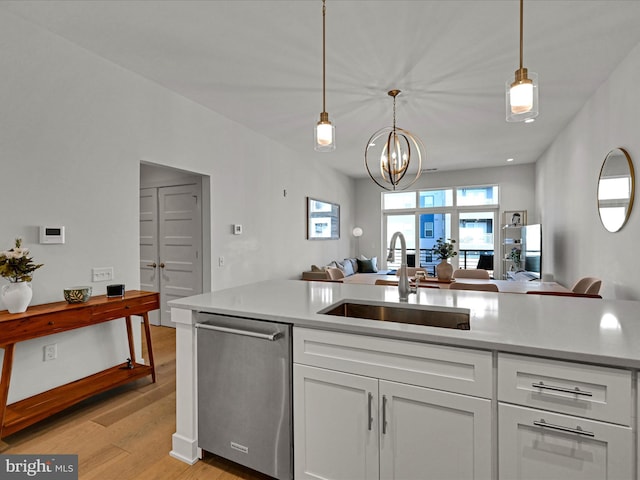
485,262
395,283
386,282
471,273
566,294
487,287
590,285
411,271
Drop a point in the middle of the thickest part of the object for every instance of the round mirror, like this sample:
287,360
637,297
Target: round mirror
616,186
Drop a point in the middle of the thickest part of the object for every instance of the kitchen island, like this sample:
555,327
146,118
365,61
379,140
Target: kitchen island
568,363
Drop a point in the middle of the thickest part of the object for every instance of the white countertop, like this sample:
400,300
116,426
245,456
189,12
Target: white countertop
600,331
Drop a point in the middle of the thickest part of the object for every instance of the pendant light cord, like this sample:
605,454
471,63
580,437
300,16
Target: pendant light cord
521,28
324,11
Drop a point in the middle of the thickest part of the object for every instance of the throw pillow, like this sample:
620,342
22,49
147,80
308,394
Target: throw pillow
373,259
347,267
354,264
367,266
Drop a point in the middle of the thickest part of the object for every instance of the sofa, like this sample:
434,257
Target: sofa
337,270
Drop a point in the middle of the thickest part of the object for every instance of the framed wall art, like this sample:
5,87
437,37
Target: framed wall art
323,220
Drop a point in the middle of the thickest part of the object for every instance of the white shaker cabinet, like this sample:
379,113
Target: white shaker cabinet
428,434
335,431
352,425
541,445
563,420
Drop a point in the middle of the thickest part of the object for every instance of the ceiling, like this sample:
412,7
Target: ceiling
259,63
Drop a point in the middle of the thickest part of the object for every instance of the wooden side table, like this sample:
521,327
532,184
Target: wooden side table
50,318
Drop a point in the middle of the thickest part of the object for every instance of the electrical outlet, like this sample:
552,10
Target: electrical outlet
221,261
102,274
50,352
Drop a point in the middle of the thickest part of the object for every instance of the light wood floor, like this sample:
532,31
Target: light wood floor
125,434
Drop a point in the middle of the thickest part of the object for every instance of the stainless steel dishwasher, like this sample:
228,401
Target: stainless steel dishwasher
244,392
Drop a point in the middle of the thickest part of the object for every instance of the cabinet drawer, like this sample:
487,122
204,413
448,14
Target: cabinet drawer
540,444
116,308
441,367
47,324
577,389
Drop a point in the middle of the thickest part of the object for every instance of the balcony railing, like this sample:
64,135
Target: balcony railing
467,259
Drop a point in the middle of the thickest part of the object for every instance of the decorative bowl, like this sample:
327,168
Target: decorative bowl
77,294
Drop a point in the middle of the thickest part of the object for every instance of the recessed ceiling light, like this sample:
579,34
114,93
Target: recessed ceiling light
530,120
509,159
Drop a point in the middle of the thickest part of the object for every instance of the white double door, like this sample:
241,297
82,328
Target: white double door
170,244
354,427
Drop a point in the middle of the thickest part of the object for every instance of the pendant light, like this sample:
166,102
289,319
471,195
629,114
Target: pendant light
393,156
325,131
522,93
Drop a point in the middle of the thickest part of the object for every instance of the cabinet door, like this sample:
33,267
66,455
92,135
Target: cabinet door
336,425
430,434
537,444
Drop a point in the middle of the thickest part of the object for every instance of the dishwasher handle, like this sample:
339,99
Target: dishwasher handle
247,333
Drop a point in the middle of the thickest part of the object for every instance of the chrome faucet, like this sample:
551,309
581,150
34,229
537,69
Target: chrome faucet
403,281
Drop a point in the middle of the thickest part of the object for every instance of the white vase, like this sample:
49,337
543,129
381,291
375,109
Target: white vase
444,271
17,296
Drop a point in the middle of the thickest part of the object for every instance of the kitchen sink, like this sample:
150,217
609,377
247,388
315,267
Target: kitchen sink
432,317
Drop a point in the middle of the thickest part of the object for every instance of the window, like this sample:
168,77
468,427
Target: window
477,196
436,198
399,200
466,214
427,229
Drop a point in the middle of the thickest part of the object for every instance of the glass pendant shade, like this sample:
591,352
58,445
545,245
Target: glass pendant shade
324,134
522,93
522,97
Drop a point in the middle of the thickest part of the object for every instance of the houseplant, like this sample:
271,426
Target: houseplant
443,251
17,267
515,257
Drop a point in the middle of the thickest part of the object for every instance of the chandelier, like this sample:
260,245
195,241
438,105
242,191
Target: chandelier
522,93
393,156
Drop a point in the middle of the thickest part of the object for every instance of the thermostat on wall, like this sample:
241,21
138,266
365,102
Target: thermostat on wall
51,234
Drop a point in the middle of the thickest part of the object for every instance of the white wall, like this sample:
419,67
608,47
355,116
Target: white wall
516,193
73,131
566,185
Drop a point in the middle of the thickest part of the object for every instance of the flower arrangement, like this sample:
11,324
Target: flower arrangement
16,265
444,250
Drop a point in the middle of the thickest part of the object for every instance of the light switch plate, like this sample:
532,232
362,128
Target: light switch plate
102,274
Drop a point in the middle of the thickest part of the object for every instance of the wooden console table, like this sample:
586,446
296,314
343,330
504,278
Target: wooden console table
50,318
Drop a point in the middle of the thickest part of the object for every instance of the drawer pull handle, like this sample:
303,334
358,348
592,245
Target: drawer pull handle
272,337
51,322
575,391
384,414
577,430
127,307
369,410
